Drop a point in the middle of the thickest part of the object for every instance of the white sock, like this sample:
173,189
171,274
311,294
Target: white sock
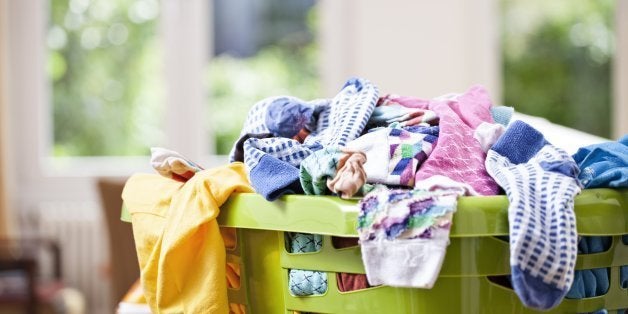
540,181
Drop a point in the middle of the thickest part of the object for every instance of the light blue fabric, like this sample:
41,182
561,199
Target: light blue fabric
604,165
590,282
305,242
306,282
502,114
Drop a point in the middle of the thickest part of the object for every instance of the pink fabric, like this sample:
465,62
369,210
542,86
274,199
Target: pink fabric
457,154
409,102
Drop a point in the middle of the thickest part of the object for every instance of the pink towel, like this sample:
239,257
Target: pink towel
457,154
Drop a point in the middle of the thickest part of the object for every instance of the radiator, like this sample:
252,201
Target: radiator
80,231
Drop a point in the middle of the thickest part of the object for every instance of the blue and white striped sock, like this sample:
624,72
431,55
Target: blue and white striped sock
345,118
273,163
540,181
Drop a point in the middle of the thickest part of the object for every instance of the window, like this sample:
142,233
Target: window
93,84
104,65
557,59
260,50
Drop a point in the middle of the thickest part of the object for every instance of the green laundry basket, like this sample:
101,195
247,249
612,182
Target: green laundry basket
474,256
476,253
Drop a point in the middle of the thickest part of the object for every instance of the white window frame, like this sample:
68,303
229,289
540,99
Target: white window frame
620,70
36,176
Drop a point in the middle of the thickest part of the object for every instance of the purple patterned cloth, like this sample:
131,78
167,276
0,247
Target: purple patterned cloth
404,233
394,154
457,154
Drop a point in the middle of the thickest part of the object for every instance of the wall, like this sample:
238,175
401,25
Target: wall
395,43
620,110
4,217
455,41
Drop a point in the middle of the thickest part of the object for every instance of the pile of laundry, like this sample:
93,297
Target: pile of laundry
410,159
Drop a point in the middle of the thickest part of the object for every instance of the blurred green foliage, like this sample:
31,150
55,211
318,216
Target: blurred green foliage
286,67
104,65
557,59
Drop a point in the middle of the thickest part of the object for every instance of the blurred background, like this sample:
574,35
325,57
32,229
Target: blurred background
88,86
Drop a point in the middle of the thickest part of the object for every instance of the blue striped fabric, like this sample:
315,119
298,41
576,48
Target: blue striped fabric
284,149
255,122
340,120
543,236
346,118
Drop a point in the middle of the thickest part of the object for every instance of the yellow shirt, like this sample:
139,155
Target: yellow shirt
179,246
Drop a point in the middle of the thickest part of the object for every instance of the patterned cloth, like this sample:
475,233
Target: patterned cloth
540,182
304,242
238,148
273,163
172,165
256,119
333,169
316,169
389,111
404,233
457,154
346,117
283,149
306,282
393,155
407,151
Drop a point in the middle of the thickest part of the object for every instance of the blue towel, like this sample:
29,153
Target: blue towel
273,178
604,165
590,282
